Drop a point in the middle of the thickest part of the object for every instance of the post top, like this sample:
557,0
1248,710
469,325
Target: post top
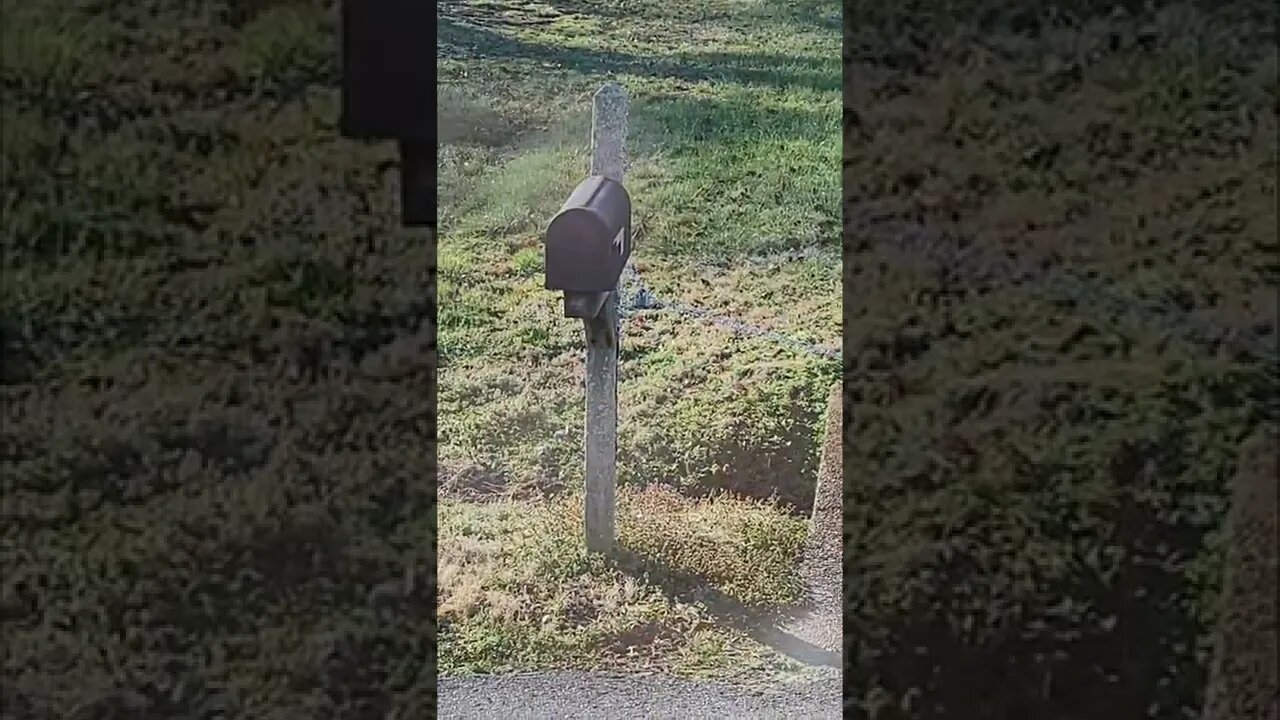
610,107
611,91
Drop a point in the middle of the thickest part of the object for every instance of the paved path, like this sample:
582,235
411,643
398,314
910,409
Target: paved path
567,695
820,623
1245,669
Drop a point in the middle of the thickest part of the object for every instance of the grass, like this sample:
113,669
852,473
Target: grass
733,144
217,359
214,375
517,590
1042,476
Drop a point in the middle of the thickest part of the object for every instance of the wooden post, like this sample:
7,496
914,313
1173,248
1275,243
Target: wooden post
608,158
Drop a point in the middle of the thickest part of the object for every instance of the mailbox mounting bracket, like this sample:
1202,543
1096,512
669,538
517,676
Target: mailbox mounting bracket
584,305
602,328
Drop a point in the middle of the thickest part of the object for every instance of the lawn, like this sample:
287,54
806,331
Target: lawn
216,378
216,387
734,172
1061,316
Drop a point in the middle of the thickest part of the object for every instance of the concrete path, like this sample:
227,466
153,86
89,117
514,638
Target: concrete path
820,624
1246,670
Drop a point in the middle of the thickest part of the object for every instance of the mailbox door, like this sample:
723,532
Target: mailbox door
589,240
576,259
388,69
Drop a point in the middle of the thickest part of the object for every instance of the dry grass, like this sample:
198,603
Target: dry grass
517,589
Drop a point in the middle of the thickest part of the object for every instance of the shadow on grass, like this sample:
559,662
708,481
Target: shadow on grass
765,626
1115,642
819,15
823,15
740,462
695,124
463,41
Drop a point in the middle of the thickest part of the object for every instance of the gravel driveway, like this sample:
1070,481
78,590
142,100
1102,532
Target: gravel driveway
566,695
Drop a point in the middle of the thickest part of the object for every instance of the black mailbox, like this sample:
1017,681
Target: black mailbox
589,240
389,90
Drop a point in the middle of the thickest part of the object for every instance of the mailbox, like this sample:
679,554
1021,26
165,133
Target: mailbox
589,240
389,91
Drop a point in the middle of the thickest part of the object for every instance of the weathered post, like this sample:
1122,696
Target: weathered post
588,244
608,159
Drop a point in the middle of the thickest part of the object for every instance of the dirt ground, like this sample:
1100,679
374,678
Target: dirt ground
1060,326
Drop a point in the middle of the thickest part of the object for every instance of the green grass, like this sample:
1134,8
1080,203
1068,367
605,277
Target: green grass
215,378
734,172
1039,478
